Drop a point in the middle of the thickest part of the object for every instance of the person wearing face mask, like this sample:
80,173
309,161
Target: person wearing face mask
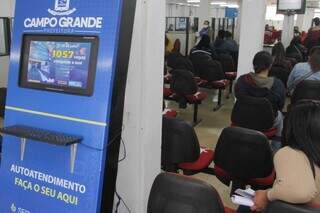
206,29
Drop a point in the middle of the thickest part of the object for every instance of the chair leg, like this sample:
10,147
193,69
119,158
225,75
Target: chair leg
195,115
230,89
219,101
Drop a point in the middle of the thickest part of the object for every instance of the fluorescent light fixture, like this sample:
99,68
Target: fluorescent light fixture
218,3
232,5
193,1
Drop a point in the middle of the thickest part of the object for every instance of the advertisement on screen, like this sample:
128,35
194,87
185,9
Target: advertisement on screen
59,63
290,4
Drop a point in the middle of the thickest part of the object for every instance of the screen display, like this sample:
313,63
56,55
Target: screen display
290,4
59,63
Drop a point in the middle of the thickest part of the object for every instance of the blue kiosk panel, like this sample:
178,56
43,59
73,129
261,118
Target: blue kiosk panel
37,177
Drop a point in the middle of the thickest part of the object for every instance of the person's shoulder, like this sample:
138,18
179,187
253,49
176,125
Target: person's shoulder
288,152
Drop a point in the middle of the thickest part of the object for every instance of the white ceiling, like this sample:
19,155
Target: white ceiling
310,3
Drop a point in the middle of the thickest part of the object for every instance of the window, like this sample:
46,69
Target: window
5,36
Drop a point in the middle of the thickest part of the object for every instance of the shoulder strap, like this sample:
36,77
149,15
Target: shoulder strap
296,83
312,168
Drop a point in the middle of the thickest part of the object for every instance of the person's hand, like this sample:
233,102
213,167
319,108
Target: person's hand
260,201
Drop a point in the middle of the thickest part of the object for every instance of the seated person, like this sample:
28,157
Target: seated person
228,46
219,40
204,46
305,71
297,164
259,85
296,50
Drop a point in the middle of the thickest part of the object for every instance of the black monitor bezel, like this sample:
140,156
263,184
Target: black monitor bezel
24,59
292,12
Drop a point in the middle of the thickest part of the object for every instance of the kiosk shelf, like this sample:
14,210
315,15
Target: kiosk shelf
46,136
41,135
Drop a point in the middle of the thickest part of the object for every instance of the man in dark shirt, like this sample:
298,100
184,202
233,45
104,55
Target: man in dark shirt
259,85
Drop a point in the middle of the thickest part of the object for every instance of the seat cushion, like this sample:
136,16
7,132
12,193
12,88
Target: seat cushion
205,159
222,84
270,133
228,210
225,177
167,92
170,113
231,75
197,97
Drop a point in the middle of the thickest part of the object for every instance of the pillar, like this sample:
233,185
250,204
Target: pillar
251,33
142,122
287,30
204,12
304,20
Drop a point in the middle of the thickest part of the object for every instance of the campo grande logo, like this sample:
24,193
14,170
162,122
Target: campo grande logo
13,208
62,8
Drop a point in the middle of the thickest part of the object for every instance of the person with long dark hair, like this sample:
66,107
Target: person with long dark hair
279,57
297,164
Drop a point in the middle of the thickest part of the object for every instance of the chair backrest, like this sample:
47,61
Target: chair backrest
281,73
282,207
172,193
172,58
183,82
308,89
179,142
178,61
253,113
227,63
207,68
244,153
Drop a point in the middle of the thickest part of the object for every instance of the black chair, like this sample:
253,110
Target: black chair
184,90
244,157
229,69
172,193
308,89
210,73
254,113
3,95
180,148
282,207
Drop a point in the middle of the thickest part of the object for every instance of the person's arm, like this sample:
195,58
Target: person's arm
291,77
280,93
295,182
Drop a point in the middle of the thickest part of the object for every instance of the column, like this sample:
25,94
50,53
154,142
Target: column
287,30
142,122
304,20
204,12
251,33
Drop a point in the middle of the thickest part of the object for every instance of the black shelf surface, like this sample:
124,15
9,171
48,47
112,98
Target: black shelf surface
41,135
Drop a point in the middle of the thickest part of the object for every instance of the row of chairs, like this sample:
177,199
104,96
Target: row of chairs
173,193
200,71
242,157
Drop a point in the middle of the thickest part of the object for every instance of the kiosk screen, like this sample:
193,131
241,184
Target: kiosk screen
59,63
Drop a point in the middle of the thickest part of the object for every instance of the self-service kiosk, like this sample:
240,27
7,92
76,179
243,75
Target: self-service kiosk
64,107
